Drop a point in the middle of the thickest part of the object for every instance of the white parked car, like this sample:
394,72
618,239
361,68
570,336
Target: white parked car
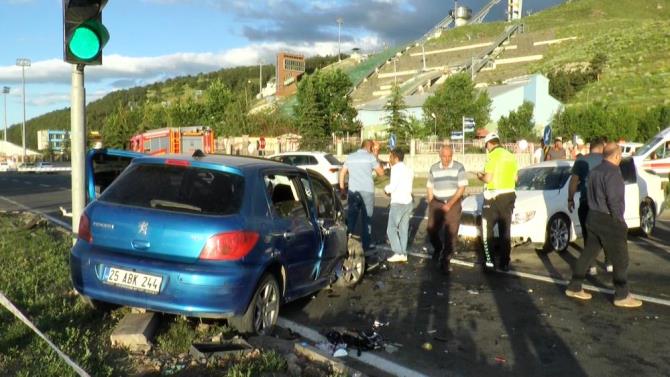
654,156
628,149
323,163
541,212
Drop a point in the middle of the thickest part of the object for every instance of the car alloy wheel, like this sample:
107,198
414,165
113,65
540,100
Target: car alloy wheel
647,218
559,233
266,306
352,268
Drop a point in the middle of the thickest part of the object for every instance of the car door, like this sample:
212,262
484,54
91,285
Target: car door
330,217
294,229
103,166
632,196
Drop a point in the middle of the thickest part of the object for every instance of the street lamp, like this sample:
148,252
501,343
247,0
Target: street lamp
339,21
434,123
23,63
5,91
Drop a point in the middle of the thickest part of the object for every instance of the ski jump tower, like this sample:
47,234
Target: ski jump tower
514,9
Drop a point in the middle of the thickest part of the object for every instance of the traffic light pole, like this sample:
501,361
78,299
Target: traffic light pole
78,144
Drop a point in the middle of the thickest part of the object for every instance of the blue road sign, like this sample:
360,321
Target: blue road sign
546,136
392,141
456,135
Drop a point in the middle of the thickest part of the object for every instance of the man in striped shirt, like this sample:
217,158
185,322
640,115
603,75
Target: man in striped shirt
446,185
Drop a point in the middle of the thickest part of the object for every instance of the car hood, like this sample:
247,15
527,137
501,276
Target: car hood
525,199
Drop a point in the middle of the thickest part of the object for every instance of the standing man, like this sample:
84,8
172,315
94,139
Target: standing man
578,181
499,176
445,187
557,152
361,194
606,228
400,190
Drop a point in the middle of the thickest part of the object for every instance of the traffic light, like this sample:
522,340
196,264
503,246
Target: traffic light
84,35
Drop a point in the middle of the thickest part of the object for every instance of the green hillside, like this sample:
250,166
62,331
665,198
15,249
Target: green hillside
242,81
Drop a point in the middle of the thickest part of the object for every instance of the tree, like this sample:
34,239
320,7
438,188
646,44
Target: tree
457,98
120,126
324,107
518,124
395,114
597,120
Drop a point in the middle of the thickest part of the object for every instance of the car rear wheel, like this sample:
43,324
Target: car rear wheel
263,310
558,234
647,218
351,270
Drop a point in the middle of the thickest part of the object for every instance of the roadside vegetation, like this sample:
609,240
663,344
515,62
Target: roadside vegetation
35,278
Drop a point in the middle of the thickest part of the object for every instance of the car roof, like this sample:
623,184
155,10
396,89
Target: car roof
551,164
239,162
301,153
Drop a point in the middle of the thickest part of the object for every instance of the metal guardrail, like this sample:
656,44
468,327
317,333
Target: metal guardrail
39,170
476,64
479,17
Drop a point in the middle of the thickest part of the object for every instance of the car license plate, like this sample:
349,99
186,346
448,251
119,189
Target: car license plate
133,280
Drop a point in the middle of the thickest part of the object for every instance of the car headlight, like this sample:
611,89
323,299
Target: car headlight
522,217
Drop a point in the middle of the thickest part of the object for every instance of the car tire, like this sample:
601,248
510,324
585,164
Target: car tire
263,310
350,270
558,234
647,218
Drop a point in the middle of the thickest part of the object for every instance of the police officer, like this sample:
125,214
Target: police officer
499,176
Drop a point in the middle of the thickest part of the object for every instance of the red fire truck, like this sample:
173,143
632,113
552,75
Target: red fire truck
182,140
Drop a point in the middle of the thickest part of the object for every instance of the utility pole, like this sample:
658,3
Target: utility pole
5,91
340,21
395,72
78,143
423,55
260,79
23,63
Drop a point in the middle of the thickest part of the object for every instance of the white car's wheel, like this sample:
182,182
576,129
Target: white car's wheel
647,218
558,233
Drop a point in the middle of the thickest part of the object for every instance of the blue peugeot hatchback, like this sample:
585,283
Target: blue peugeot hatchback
212,237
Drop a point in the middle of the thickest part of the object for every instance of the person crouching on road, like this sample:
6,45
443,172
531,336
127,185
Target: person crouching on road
361,194
606,228
445,187
400,190
499,175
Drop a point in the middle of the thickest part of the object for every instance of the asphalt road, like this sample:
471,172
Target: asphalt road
476,324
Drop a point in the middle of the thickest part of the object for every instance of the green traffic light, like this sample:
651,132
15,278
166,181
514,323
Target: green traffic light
84,43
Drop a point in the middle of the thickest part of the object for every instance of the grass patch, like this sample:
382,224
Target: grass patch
35,277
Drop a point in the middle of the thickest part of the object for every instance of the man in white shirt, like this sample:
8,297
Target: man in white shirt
400,190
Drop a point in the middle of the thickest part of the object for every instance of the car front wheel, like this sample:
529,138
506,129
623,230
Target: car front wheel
558,234
263,311
647,218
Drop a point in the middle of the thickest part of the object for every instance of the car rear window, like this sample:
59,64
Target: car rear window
332,159
179,189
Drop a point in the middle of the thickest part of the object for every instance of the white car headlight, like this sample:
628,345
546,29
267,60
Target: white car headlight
522,217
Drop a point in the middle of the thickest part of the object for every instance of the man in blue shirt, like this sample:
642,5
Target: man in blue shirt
361,193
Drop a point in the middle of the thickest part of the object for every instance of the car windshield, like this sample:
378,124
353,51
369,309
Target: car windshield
648,146
543,178
174,188
332,159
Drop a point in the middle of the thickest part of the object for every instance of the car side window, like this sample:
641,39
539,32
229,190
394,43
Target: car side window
311,160
325,203
284,198
628,171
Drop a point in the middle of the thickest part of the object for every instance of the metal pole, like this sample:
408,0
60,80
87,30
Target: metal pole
260,79
78,144
23,129
5,90
395,73
339,30
463,139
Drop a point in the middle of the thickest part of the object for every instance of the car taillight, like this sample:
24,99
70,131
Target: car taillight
84,232
229,246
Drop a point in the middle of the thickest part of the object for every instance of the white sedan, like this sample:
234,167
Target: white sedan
323,163
541,212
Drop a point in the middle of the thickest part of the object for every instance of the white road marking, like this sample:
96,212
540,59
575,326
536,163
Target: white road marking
371,359
542,278
27,183
50,218
43,185
15,180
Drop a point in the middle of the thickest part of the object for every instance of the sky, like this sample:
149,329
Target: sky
153,40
